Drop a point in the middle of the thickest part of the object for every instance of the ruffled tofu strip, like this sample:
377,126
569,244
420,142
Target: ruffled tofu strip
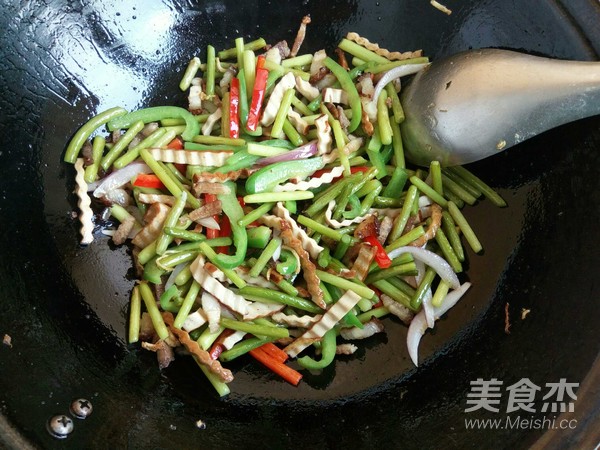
192,157
83,202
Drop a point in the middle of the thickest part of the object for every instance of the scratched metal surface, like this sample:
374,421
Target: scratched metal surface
65,306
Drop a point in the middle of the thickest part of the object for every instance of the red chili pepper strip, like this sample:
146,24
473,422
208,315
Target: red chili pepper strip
378,293
217,348
225,231
176,144
381,257
260,63
211,233
258,94
148,181
234,106
287,373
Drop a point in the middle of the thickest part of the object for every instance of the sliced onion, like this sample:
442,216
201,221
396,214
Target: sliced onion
120,178
396,72
118,196
302,152
434,261
417,327
427,306
209,222
171,280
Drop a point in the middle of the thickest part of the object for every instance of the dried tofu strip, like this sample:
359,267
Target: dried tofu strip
348,149
298,122
344,223
218,177
193,157
194,320
154,219
306,89
312,183
225,296
211,121
333,315
363,261
212,309
83,202
193,347
258,309
287,82
324,139
397,56
308,243
293,320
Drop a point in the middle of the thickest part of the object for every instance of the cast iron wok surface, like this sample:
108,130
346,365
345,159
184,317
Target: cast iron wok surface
64,306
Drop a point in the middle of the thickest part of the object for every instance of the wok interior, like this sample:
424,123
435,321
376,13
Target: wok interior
65,306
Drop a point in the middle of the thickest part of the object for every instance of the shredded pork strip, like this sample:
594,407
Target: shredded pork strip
309,269
192,346
300,36
208,210
123,230
436,220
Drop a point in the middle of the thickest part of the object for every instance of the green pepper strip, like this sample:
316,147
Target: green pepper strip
267,295
258,237
167,300
233,210
355,207
229,273
288,264
91,171
347,85
150,302
266,178
86,130
156,113
153,272
396,184
328,344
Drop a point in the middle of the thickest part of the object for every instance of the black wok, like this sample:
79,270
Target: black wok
64,306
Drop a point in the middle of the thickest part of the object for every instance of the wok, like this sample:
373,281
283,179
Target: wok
64,306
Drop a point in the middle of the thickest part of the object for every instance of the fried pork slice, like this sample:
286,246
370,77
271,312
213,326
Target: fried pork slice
300,36
308,268
154,219
203,357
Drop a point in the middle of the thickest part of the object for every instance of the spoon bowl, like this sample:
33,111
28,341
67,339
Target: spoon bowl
477,103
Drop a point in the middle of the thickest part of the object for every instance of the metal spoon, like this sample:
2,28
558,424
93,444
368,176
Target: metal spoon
477,103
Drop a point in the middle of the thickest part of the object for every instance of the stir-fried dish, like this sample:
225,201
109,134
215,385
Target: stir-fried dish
276,216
